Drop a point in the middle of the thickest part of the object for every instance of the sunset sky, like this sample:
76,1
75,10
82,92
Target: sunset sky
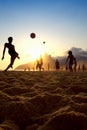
62,24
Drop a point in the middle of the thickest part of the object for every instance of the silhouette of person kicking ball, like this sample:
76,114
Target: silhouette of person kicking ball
11,51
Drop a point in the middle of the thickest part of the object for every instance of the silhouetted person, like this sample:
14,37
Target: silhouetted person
28,68
57,64
25,69
72,60
37,64
41,63
83,67
11,51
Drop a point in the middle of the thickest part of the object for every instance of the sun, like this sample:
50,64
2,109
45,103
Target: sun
36,52
32,50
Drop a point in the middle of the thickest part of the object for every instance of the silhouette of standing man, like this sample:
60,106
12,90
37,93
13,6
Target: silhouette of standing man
72,60
11,51
57,64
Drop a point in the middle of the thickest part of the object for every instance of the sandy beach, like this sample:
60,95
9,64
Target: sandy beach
43,100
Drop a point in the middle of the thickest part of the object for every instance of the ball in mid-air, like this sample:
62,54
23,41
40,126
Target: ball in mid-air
32,35
43,42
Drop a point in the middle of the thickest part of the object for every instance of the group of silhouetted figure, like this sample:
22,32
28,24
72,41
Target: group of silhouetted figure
71,60
39,64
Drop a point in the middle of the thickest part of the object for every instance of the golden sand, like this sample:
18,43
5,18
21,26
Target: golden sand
43,100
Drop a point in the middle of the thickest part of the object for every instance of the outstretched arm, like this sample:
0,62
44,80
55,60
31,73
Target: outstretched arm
3,52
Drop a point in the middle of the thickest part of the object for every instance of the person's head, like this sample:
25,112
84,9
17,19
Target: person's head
10,39
70,52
